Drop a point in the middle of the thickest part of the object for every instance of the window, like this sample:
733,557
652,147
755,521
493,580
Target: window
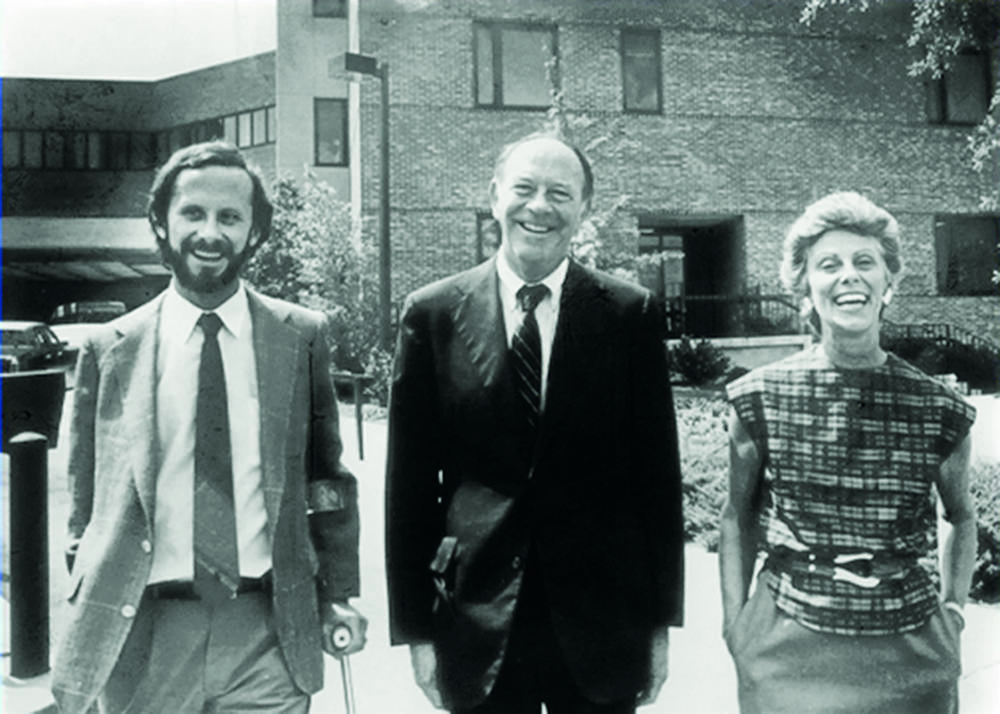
331,132
962,94
31,149
272,125
244,130
966,248
76,150
55,150
142,153
513,65
162,146
11,149
663,270
641,86
259,122
329,8
97,151
229,129
487,236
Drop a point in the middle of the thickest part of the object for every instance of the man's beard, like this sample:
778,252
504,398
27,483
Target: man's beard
204,282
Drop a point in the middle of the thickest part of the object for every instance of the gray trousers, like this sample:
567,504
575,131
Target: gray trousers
183,657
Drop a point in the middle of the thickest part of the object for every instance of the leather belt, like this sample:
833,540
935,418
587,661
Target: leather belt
184,589
863,569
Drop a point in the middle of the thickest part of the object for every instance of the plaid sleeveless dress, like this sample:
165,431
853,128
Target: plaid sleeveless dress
850,460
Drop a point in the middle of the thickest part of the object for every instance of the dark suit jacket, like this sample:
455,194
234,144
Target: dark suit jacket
112,478
598,501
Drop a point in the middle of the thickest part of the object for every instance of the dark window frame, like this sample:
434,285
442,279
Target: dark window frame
943,266
317,103
339,12
483,220
496,29
937,93
651,32
18,162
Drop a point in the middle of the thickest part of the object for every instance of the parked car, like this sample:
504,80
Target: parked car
73,321
31,346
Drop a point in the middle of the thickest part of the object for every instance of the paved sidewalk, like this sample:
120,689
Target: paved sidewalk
702,679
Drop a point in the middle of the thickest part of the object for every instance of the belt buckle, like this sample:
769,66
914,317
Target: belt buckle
849,576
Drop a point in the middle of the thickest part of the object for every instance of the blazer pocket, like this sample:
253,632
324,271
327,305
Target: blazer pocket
442,569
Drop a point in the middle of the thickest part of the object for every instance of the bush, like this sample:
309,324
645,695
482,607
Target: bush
316,257
984,483
697,364
704,445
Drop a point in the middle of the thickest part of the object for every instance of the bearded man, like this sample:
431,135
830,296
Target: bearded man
213,530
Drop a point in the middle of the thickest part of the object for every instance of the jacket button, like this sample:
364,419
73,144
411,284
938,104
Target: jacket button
128,611
516,563
147,547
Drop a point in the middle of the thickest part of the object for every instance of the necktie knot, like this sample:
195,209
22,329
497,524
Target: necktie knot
529,296
210,324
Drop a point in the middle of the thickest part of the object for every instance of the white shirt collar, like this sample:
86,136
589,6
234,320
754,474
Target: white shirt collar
180,315
510,282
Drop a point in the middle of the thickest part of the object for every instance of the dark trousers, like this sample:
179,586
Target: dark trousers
534,669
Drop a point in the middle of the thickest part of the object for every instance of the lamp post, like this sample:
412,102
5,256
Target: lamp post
366,64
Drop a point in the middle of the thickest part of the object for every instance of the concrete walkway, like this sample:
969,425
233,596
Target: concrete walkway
702,679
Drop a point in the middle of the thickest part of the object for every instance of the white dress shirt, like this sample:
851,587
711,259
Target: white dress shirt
177,360
546,312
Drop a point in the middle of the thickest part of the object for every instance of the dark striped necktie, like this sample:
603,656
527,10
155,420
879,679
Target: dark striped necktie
216,558
526,351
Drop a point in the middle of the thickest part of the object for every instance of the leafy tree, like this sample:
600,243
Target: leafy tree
939,31
315,257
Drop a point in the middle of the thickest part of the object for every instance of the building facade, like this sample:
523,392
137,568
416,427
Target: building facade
710,124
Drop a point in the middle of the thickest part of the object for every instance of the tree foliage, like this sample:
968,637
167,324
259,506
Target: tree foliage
315,257
939,31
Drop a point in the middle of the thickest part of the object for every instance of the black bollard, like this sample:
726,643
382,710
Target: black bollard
29,555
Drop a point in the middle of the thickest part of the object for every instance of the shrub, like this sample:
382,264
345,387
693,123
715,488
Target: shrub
984,483
699,363
704,445
316,257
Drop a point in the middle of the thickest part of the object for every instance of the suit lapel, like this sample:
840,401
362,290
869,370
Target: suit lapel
276,347
579,316
133,367
479,323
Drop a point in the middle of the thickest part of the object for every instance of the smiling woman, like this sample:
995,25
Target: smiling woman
835,454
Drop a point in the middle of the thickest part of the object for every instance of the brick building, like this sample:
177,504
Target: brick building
710,123
714,122
79,156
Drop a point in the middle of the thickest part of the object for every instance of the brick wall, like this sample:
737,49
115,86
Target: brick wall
761,116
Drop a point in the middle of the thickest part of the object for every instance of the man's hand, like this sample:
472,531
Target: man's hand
424,662
344,629
658,666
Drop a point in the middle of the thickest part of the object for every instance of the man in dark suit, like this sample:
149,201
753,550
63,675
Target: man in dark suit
213,528
533,505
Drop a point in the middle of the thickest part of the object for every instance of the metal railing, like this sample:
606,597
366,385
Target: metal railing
942,333
747,314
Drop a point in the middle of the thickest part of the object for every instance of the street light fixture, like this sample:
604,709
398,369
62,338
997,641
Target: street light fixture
366,64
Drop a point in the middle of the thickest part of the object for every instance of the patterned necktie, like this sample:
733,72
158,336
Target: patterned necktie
216,559
526,350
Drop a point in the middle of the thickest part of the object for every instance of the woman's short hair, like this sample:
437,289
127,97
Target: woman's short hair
844,210
200,156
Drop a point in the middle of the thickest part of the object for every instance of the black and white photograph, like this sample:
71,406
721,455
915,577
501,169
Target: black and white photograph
500,356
